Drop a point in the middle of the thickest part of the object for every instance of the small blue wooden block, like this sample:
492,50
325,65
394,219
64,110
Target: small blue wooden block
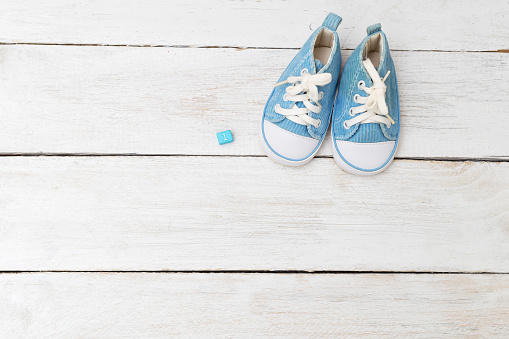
224,137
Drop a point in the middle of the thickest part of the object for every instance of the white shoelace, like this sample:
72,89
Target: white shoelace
374,108
304,89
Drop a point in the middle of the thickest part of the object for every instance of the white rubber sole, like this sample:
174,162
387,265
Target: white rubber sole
276,158
344,166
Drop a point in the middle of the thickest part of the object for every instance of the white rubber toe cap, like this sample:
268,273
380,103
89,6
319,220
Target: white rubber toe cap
366,156
288,145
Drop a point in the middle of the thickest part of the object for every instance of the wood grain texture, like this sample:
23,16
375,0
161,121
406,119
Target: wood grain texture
431,25
232,209
242,213
234,305
66,99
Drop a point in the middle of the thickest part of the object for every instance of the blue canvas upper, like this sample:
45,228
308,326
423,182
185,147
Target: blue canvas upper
305,60
353,72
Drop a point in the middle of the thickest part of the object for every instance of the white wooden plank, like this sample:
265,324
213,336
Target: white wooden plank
234,305
430,25
62,99
220,213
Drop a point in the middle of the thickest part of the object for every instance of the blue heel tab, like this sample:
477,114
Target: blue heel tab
373,29
332,21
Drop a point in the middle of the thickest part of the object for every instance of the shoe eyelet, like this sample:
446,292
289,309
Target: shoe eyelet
361,84
345,126
285,97
355,98
304,71
351,112
320,95
278,106
319,123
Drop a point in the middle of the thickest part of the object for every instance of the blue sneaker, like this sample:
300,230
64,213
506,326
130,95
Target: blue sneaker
365,124
298,112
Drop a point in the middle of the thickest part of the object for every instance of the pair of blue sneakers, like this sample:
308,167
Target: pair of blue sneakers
364,109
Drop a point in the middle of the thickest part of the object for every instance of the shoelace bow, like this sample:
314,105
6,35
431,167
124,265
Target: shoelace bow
304,89
375,107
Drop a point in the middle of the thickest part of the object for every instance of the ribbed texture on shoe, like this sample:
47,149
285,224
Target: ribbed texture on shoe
292,126
353,72
373,28
332,21
305,60
318,65
368,133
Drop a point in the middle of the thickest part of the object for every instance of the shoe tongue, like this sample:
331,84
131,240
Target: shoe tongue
318,65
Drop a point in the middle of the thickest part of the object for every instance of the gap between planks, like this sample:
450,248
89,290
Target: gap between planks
289,272
232,47
144,155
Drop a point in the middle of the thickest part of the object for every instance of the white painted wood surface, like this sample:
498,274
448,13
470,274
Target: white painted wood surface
248,305
230,208
241,213
431,25
64,99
